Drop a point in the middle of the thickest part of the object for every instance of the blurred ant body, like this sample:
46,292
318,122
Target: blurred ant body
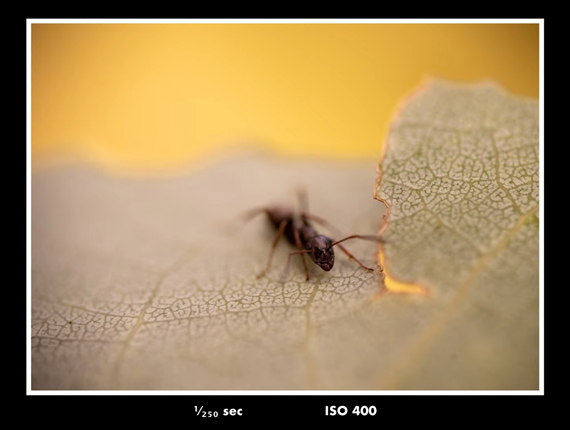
301,234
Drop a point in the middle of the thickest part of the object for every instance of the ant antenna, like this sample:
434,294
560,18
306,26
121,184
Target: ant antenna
356,236
350,256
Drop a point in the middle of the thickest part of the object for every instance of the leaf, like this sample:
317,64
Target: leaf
150,283
461,180
140,283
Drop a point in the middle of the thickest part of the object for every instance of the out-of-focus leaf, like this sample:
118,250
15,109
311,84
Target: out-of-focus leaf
461,179
151,283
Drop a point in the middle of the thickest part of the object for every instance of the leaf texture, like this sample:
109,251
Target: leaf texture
150,283
461,178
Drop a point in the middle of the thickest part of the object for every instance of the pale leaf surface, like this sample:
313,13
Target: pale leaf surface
151,283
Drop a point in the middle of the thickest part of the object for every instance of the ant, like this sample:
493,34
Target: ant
300,233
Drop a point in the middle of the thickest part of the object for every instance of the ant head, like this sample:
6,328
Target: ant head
322,254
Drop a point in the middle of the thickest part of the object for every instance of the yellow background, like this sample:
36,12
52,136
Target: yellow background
157,97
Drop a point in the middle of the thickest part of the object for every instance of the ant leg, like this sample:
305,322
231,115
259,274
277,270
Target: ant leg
303,200
234,226
300,246
321,221
305,215
291,254
247,216
282,226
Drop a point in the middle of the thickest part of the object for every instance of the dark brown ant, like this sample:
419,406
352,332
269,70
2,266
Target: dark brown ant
300,233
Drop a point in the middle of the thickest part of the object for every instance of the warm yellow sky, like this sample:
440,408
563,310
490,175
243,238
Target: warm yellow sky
159,96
